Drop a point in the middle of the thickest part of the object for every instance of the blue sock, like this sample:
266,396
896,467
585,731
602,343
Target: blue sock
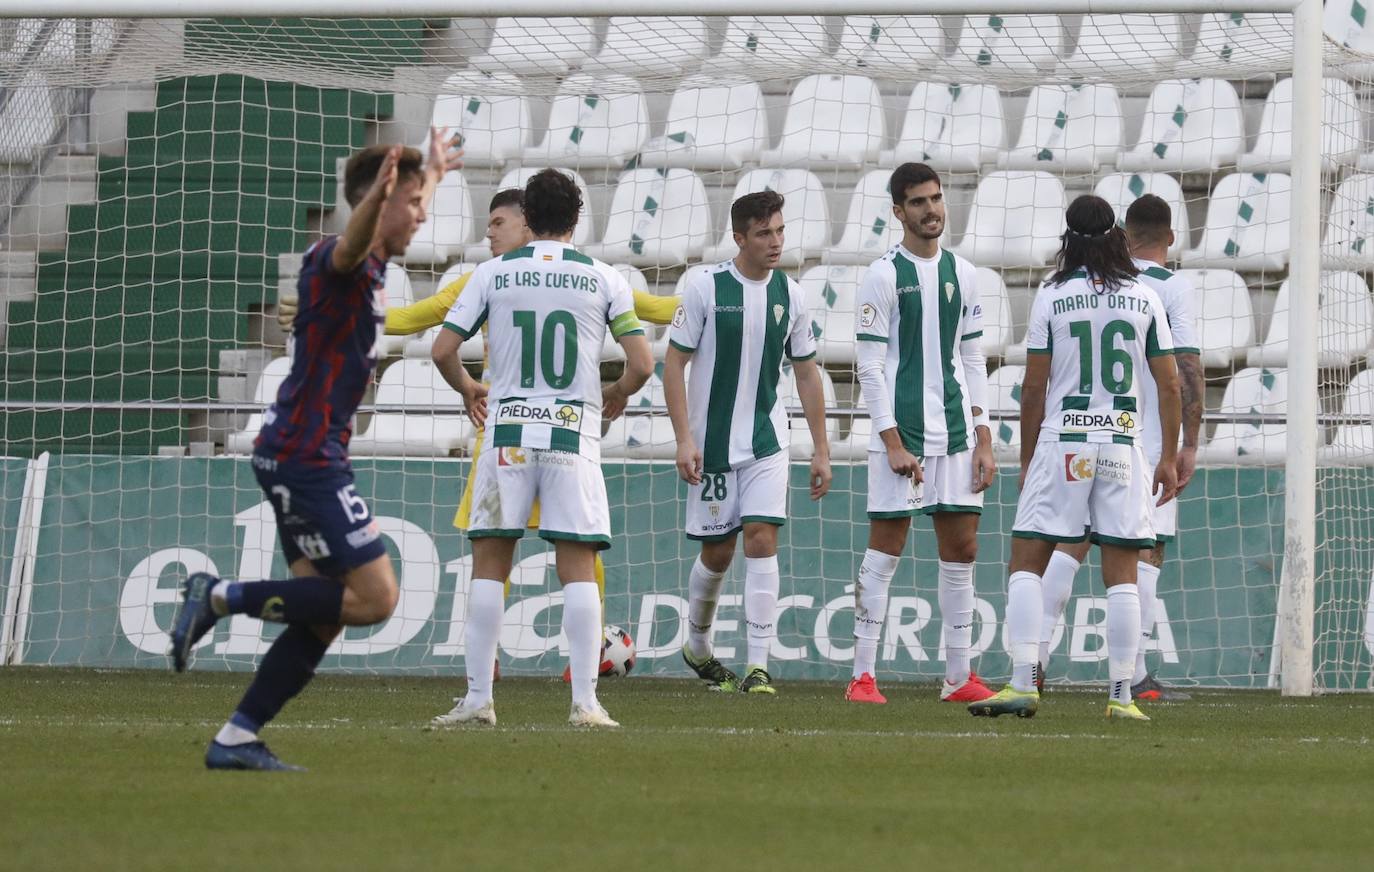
285,670
311,600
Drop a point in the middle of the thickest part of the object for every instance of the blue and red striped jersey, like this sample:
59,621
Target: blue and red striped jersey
337,331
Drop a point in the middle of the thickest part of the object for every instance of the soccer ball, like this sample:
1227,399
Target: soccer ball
617,652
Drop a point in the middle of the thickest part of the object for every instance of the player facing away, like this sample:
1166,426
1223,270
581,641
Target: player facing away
547,307
1149,234
1093,330
924,378
737,322
341,574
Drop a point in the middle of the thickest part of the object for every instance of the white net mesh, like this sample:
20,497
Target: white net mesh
163,177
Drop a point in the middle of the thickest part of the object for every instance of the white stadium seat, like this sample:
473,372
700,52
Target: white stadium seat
399,292
885,42
870,229
265,394
1243,40
1247,225
831,119
1226,320
831,292
1191,125
711,125
996,303
1004,395
1251,391
69,41
643,437
1345,324
490,110
1138,45
1353,444
1348,25
1348,238
669,46
516,179
772,46
448,226
854,446
803,446
537,46
472,349
955,128
1122,189
594,121
610,346
1341,123
1016,220
997,46
804,211
659,217
410,382
29,119
1068,128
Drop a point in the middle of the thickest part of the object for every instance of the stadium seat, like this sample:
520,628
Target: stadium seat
659,217
410,382
854,446
880,43
610,346
996,303
1068,128
1135,45
398,292
1226,320
870,228
643,437
772,47
954,128
1122,189
1345,24
241,441
1016,220
992,47
1341,123
1345,324
1191,125
1252,391
712,125
537,46
594,121
805,212
490,110
29,119
481,251
1348,238
669,46
1004,395
472,350
1353,444
447,228
830,296
1247,224
803,446
831,120
1244,40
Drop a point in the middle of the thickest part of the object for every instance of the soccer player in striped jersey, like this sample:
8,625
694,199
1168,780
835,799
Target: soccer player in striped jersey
737,322
1149,233
547,308
924,378
341,574
1093,330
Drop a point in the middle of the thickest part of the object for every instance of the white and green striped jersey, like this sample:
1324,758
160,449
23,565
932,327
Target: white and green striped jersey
1099,343
546,308
1180,306
927,312
738,331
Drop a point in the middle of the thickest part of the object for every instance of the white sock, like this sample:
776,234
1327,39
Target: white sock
1147,582
486,610
870,608
956,612
1024,606
760,606
1056,586
703,593
582,626
232,734
1123,637
220,605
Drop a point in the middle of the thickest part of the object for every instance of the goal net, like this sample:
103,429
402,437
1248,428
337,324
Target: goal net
162,177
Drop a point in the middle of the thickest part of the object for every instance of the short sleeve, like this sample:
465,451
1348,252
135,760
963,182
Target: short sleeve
973,303
620,314
801,338
1182,311
874,304
469,311
1159,339
1039,338
690,318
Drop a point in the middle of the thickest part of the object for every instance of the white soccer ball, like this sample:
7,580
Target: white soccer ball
617,652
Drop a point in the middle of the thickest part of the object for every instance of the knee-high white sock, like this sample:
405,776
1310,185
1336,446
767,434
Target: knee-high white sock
1024,607
703,593
760,606
870,608
1056,586
956,613
1123,637
486,609
1147,582
582,627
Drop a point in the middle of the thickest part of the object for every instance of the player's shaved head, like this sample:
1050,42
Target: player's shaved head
759,206
1149,222
552,203
361,170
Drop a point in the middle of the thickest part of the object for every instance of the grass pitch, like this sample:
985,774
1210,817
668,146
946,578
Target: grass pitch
102,770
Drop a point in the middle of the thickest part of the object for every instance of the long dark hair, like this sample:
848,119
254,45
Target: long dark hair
1095,244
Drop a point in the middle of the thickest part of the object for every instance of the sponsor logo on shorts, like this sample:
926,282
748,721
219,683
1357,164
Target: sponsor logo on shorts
364,535
1114,470
510,457
265,463
312,545
273,610
715,511
1078,467
708,529
867,315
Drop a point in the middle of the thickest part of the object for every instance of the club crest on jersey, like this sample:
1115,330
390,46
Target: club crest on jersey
949,291
867,315
1077,467
777,313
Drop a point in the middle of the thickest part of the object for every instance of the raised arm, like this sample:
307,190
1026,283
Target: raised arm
444,155
356,241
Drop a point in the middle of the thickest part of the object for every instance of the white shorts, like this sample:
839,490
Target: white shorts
947,486
724,502
1164,519
570,488
1081,489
